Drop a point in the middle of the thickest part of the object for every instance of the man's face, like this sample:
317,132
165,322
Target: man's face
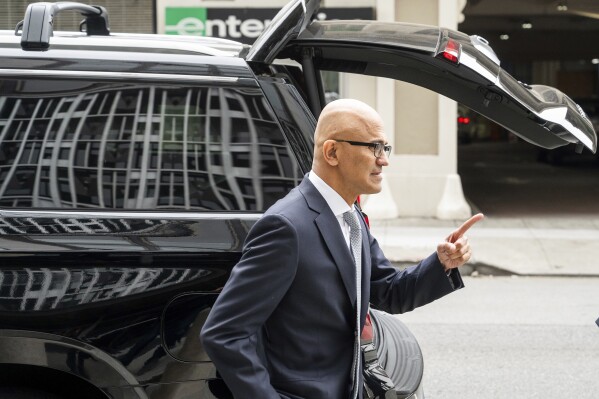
361,170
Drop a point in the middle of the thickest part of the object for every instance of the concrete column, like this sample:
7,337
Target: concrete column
423,171
382,205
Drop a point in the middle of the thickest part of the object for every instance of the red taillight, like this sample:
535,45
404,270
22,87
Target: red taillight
463,120
451,52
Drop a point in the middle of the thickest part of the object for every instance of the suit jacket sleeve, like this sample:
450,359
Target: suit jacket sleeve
402,291
255,288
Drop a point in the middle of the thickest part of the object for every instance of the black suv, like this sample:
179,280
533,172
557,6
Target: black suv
133,166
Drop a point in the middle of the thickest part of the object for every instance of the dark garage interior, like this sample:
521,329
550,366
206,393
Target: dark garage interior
538,42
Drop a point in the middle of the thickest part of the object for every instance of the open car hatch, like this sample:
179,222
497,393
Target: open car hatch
461,67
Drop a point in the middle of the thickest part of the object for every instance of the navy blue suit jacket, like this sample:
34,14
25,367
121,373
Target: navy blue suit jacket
283,326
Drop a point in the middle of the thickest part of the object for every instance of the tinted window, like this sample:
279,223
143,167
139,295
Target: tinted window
75,144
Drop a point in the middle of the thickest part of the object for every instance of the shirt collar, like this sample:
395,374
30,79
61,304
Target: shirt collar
332,198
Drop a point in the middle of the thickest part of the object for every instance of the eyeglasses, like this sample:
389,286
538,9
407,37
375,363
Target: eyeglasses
377,148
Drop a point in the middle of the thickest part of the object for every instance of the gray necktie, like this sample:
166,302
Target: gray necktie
355,240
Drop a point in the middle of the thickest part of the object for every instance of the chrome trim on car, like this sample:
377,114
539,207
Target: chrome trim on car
117,75
168,215
471,62
482,45
210,46
558,115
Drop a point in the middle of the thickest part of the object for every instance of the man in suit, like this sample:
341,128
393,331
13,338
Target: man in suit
284,325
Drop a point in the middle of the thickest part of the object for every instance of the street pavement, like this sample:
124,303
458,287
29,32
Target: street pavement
557,246
511,337
541,219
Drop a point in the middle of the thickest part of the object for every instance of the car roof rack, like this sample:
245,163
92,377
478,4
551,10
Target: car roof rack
37,27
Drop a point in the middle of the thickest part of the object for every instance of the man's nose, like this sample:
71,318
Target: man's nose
383,160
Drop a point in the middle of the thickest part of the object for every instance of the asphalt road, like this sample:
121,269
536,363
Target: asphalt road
511,337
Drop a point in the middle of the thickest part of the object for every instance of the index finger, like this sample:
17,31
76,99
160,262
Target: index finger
467,224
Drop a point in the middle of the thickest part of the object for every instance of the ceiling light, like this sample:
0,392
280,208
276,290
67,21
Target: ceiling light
595,61
505,36
526,25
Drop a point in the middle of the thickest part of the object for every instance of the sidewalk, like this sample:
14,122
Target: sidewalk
548,246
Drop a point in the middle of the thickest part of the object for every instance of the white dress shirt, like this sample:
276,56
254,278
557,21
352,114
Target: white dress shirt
334,201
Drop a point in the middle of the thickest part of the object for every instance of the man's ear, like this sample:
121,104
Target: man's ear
329,151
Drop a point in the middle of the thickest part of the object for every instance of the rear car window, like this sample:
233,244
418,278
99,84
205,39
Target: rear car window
80,144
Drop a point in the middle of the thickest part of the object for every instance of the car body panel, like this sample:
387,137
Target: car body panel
101,275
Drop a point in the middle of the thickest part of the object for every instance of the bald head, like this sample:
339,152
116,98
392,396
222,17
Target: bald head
344,117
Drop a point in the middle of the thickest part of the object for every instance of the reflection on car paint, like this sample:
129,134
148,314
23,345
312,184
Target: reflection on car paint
142,147
30,289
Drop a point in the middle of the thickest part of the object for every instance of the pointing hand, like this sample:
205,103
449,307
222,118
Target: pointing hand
455,251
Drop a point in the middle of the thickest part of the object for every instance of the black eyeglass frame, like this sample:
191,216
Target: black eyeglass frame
376,147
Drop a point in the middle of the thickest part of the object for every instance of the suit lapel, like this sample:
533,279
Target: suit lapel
366,268
329,228
333,237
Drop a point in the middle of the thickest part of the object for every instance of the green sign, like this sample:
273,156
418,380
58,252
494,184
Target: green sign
186,21
239,24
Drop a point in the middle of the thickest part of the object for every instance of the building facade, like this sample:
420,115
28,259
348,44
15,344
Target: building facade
134,16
